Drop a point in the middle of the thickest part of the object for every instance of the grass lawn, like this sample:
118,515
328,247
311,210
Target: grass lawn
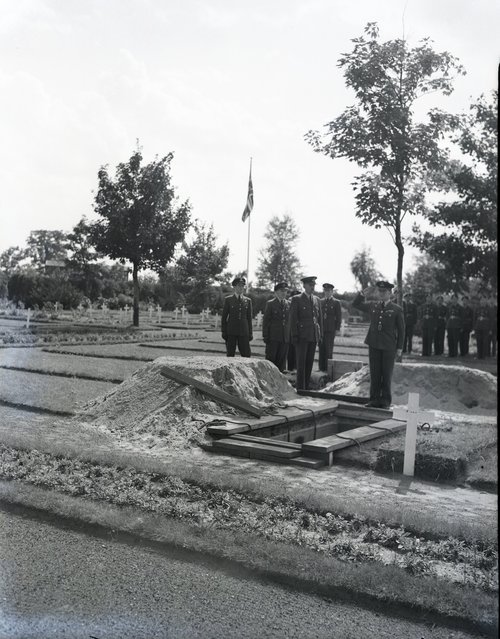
57,394
116,351
91,367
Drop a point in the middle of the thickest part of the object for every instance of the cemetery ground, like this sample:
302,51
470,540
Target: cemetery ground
357,532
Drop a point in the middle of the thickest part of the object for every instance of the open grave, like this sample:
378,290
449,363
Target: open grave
242,407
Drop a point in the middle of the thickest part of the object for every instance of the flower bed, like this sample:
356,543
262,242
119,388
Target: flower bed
27,338
350,539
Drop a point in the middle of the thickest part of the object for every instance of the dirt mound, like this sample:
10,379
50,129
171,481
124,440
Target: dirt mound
449,388
154,411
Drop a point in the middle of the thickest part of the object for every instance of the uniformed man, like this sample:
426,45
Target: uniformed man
236,320
427,317
410,317
292,355
492,344
482,324
276,327
453,325
467,325
331,312
440,330
384,339
305,330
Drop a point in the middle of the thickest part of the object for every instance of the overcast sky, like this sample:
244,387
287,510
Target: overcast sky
214,81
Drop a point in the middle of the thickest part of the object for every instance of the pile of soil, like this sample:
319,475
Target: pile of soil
454,389
153,411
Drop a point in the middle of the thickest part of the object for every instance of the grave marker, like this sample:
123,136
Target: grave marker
28,313
411,416
158,310
176,313
259,319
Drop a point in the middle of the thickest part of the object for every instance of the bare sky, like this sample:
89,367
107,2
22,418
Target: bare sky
214,81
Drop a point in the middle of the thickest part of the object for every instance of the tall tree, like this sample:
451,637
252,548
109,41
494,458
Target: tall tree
401,157
46,245
364,269
202,263
82,259
427,276
141,219
465,237
278,260
11,259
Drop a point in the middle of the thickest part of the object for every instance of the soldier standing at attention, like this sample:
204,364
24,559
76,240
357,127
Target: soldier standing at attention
236,320
440,330
305,330
331,310
467,324
276,327
482,328
410,317
492,345
292,356
427,318
384,339
453,325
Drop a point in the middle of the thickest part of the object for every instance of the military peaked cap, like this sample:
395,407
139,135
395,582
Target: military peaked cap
330,286
310,279
385,286
280,286
238,280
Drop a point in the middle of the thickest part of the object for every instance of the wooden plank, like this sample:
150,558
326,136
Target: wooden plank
231,444
293,415
337,396
266,440
350,437
211,391
307,462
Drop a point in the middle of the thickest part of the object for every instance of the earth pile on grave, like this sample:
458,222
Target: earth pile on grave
150,410
454,389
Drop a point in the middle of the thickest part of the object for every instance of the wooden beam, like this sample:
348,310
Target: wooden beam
341,398
211,391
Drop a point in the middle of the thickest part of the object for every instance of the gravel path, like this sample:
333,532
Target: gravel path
60,583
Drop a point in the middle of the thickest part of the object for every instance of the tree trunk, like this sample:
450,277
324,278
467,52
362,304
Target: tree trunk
136,293
401,253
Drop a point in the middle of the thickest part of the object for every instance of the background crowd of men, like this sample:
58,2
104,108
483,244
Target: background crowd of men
294,324
454,319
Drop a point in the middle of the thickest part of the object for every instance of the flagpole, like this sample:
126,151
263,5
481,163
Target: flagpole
248,242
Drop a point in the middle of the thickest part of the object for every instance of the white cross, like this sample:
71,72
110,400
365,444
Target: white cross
412,416
259,319
150,310
216,320
187,318
183,310
28,313
342,328
158,309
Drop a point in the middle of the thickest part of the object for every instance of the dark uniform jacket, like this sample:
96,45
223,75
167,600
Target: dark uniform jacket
276,321
410,313
387,326
305,319
467,318
331,310
482,318
441,315
454,316
237,316
428,313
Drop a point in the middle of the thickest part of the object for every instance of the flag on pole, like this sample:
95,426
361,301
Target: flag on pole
249,204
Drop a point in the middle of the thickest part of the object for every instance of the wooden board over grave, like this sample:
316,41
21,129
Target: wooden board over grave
287,415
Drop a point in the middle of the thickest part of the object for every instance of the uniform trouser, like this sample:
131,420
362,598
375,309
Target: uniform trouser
453,335
464,341
276,353
439,334
305,359
408,341
326,350
243,345
381,367
482,338
292,358
493,342
427,337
